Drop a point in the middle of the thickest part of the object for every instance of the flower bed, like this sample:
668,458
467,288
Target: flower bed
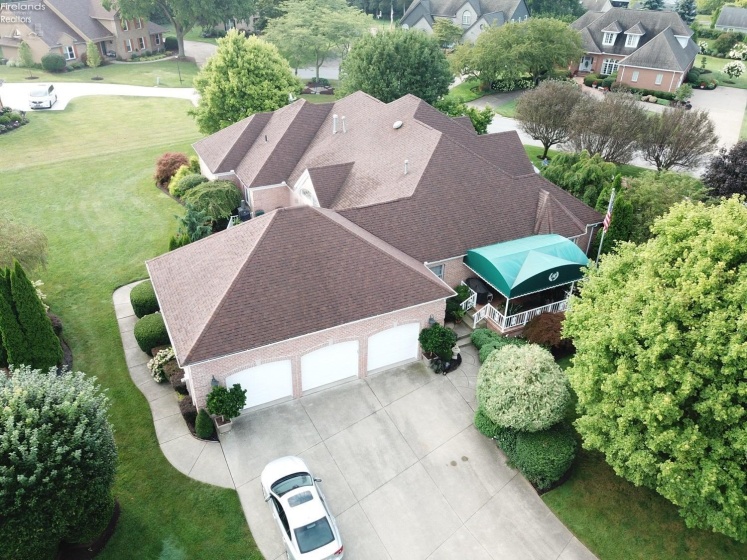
10,120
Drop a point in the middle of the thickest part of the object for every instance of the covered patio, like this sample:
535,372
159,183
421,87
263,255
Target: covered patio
526,272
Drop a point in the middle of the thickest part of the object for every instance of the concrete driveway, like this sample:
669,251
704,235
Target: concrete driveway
726,107
404,470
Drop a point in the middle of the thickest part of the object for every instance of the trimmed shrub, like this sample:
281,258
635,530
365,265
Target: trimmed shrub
143,299
217,199
167,165
590,79
204,427
481,337
180,185
497,344
188,410
437,340
484,424
454,311
506,438
521,387
150,331
225,402
545,330
53,62
544,457
170,43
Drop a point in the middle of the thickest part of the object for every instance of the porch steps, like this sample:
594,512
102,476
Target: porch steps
463,330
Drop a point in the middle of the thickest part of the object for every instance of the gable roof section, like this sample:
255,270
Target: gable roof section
449,8
732,16
663,52
288,273
328,182
78,14
49,27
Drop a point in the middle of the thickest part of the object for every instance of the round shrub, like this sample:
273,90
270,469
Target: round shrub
185,183
484,424
544,457
170,43
167,165
437,340
204,427
150,331
481,337
53,62
521,387
497,344
143,299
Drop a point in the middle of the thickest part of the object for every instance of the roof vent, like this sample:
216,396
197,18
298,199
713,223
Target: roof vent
397,124
334,124
342,120
406,165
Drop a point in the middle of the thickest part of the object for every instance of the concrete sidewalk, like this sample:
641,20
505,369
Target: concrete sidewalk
198,459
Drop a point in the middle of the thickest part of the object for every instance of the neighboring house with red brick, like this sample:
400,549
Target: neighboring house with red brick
647,49
370,210
65,26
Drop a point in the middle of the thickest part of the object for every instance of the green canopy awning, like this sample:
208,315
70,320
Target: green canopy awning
532,264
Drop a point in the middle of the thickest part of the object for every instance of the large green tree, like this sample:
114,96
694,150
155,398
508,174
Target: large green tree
394,63
311,31
661,336
245,76
43,345
533,47
57,461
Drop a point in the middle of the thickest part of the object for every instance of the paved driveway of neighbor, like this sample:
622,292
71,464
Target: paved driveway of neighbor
725,106
404,470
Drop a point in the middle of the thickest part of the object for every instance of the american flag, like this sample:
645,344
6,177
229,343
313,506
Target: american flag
608,216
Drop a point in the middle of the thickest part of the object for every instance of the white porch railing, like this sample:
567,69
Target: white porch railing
233,221
519,319
470,302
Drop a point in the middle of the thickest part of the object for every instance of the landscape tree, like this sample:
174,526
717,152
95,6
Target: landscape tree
652,5
582,175
687,10
311,31
724,42
43,345
394,63
57,461
727,171
455,107
244,76
446,32
25,58
611,127
21,242
677,138
544,112
734,69
15,347
660,361
185,14
533,47
555,8
93,56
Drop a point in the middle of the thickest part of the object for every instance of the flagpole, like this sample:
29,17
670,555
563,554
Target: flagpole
607,220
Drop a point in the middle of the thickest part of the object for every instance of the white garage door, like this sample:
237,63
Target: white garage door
265,383
329,364
393,346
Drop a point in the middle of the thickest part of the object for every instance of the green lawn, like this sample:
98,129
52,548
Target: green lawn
91,191
467,90
715,65
136,74
625,170
194,34
507,109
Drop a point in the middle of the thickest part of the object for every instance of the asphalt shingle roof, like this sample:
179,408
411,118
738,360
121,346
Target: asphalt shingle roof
664,52
732,16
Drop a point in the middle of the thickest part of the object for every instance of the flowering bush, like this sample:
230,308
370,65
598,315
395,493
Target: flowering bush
734,69
155,366
703,46
738,52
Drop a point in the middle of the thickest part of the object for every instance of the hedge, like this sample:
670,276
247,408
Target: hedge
53,62
481,337
484,424
498,343
143,299
150,331
544,457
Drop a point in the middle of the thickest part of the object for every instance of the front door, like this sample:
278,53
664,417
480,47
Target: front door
586,63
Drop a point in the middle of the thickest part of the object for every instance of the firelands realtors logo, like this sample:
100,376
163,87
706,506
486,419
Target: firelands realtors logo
18,13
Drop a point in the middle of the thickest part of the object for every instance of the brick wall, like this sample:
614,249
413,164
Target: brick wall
646,78
455,272
201,374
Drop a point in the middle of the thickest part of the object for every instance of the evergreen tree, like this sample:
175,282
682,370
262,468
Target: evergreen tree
652,5
43,345
687,10
14,343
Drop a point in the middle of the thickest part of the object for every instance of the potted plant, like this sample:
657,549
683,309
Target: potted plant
225,404
594,84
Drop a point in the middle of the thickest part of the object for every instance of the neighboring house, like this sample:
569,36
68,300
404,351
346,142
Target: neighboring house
473,16
603,5
732,19
65,26
647,49
371,211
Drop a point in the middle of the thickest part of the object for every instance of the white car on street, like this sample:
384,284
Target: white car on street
309,530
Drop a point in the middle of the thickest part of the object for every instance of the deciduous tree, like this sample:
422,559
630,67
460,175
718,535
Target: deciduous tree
394,63
455,107
57,461
727,171
544,112
582,175
446,32
25,58
677,138
93,55
244,76
661,344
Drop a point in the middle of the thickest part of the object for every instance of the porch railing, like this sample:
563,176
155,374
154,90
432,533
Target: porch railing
519,319
233,221
470,302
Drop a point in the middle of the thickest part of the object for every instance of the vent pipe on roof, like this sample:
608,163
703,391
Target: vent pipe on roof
334,124
342,120
406,162
265,137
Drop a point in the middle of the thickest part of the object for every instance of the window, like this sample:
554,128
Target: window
632,41
141,42
128,45
125,27
659,78
609,38
139,23
69,53
466,17
635,76
158,39
438,270
609,66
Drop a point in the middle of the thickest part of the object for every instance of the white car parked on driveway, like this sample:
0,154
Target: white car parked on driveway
298,505
42,96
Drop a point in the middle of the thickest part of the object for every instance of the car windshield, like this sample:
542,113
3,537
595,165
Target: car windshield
39,93
291,482
314,535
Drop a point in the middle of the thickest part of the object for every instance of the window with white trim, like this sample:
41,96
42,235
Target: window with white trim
158,39
69,52
635,76
466,17
631,41
609,66
141,42
139,23
438,270
609,39
659,79
125,27
128,45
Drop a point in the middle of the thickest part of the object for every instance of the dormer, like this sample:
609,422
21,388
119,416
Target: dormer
682,40
610,33
633,35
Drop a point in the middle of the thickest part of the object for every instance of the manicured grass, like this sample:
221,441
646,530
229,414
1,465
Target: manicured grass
625,170
194,34
133,73
715,65
467,90
507,109
84,177
618,521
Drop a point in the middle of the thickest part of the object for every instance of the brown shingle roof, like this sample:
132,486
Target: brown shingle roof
285,274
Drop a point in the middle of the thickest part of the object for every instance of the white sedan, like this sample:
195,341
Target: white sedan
298,505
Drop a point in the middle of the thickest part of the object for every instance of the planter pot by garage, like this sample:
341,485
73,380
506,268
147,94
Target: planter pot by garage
222,425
